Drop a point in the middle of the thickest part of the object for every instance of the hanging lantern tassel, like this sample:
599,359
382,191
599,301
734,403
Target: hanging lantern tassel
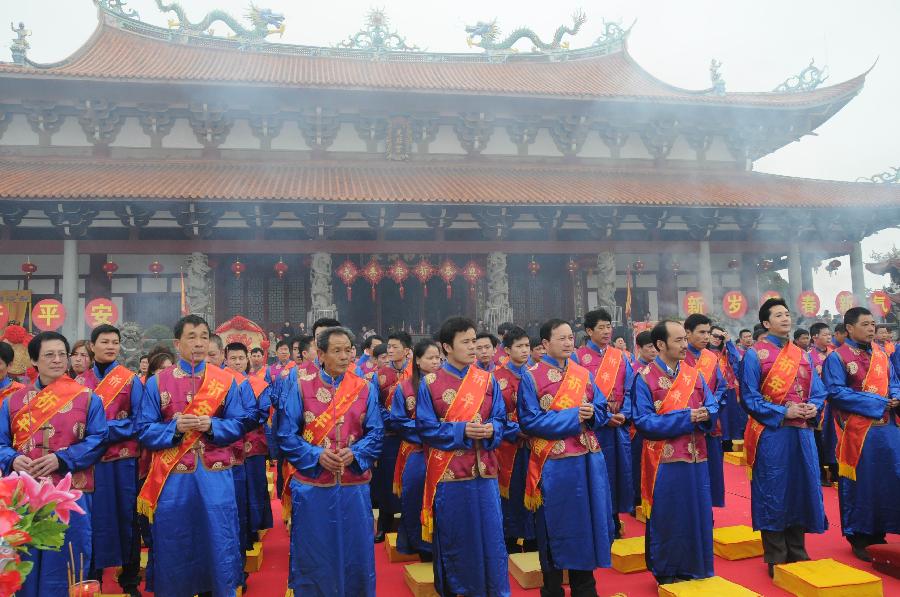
349,293
449,290
373,292
425,289
402,292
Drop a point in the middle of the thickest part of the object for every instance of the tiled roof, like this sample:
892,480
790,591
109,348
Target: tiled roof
113,53
446,183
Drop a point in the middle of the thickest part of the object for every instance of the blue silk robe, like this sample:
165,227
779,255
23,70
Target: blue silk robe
409,533
616,442
469,552
637,440
258,502
195,529
869,504
332,548
733,417
785,489
49,577
679,530
383,473
715,457
574,526
518,521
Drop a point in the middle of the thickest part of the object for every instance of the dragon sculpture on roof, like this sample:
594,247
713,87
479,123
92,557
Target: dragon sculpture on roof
485,34
265,22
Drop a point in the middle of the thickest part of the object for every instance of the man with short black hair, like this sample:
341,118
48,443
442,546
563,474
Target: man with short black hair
864,391
882,337
611,370
840,334
49,428
258,362
537,350
783,394
485,348
330,430
461,417
745,340
367,366
646,352
283,362
758,332
189,416
674,410
561,410
116,538
8,385
500,355
802,339
825,432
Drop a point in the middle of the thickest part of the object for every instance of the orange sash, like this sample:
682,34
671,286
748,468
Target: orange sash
42,407
571,394
677,398
774,389
261,374
706,364
506,458
258,384
468,401
9,390
853,434
403,375
406,449
208,399
607,372
110,386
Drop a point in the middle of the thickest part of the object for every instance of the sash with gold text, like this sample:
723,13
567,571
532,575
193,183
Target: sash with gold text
605,377
774,389
677,398
9,390
506,455
113,383
401,376
208,399
40,409
852,435
706,364
465,406
571,394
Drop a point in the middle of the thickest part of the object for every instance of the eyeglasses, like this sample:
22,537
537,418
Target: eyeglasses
718,337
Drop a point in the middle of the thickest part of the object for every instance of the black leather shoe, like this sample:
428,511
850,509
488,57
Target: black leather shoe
771,570
861,554
379,537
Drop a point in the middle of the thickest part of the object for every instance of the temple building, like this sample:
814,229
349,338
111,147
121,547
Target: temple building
394,187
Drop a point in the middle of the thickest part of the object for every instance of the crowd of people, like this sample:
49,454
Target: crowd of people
484,444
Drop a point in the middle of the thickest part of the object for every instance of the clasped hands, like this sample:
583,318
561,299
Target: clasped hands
336,461
479,430
699,415
37,468
185,423
801,410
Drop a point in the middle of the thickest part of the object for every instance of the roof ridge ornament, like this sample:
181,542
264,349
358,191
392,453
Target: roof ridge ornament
260,18
808,79
715,77
117,7
19,46
613,36
891,176
377,37
484,34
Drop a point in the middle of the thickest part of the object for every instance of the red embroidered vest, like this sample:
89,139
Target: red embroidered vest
690,447
590,360
255,443
799,391
316,396
443,387
119,408
176,389
66,427
856,364
547,380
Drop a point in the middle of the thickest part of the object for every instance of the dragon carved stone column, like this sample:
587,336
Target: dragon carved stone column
498,310
606,281
321,294
199,289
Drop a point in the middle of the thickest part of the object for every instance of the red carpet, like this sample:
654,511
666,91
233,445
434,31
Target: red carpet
271,580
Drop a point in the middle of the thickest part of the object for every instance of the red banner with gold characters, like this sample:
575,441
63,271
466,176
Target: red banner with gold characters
693,302
845,300
768,295
808,303
734,304
880,303
48,315
101,311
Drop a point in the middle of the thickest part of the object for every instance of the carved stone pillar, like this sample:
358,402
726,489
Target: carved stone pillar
321,294
667,297
795,277
606,281
857,273
71,328
704,274
498,310
199,286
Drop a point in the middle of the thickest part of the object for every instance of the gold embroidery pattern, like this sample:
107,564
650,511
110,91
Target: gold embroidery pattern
559,446
308,417
586,359
67,407
852,368
763,354
657,405
429,378
546,401
410,404
449,396
665,383
554,375
77,429
502,383
668,451
164,399
323,395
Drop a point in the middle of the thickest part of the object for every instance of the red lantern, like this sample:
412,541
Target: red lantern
880,302
533,267
424,271
28,268
448,270
281,269
734,264
110,267
373,272
572,266
694,302
638,266
734,304
348,273
48,314
472,272
808,303
399,272
156,268
238,268
845,300
769,294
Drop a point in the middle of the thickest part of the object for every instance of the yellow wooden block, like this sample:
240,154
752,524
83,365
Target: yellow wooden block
270,475
639,514
628,555
737,543
390,546
271,488
738,458
262,533
254,558
420,579
827,578
737,445
526,569
706,587
112,595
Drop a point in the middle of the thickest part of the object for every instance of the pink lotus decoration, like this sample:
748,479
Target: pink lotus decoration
33,515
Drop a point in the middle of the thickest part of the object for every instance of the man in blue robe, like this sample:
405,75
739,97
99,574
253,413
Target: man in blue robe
645,354
470,556
194,530
867,410
574,523
676,495
786,496
330,430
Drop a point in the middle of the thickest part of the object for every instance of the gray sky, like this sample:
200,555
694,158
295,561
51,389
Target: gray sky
760,43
